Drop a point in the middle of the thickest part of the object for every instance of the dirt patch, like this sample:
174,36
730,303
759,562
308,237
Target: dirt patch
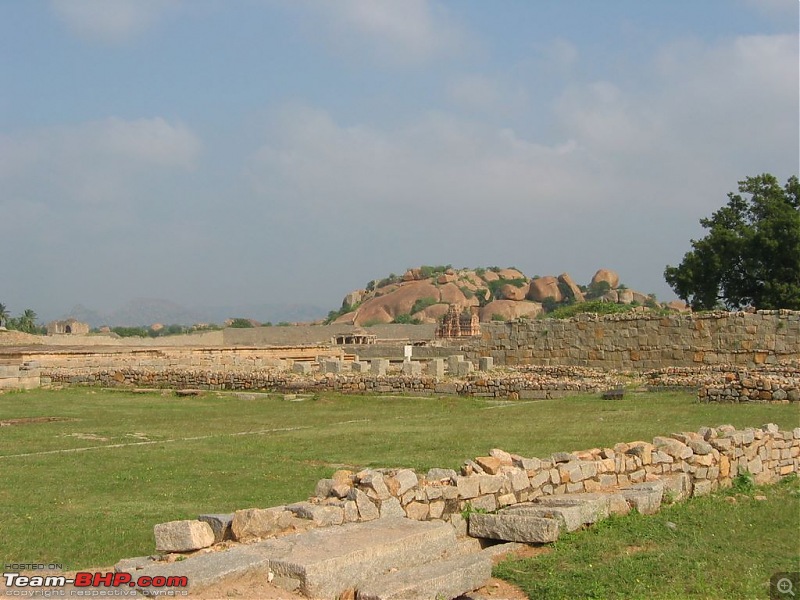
32,420
87,436
497,589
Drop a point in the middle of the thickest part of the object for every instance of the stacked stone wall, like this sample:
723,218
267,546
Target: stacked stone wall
642,341
688,464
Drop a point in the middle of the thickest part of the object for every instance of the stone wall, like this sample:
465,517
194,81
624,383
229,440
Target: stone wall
685,464
641,341
522,383
636,474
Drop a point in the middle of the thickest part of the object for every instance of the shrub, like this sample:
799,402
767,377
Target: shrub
422,304
597,307
597,289
496,317
240,323
406,319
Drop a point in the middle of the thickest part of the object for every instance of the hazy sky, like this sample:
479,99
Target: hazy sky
258,151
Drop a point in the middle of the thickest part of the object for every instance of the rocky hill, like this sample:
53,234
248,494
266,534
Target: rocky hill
424,294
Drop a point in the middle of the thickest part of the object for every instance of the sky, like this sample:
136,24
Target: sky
234,152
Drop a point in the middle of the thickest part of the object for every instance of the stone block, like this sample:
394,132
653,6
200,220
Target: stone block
253,523
513,528
452,363
448,578
301,368
412,368
487,502
391,507
468,487
436,367
360,367
465,368
367,510
333,366
379,366
441,475
417,511
220,525
320,515
644,497
183,536
485,363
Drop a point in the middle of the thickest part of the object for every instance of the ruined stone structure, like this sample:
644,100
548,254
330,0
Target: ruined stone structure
643,341
456,325
354,339
69,326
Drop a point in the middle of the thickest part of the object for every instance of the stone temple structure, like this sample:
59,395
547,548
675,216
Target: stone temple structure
69,326
456,324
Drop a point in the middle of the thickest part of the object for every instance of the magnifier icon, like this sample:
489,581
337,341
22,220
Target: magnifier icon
785,586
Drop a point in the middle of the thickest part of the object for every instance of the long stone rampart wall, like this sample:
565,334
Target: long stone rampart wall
642,341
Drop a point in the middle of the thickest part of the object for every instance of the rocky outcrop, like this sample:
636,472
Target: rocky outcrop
543,288
424,295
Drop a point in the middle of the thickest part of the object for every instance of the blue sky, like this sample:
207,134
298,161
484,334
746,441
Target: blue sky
269,151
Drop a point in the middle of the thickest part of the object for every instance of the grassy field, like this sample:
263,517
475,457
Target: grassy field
727,545
86,490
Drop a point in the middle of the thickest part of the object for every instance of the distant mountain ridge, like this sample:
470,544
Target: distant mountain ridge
146,311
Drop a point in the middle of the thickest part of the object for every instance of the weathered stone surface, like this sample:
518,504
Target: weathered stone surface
644,497
672,447
406,479
366,508
594,506
351,555
509,310
677,486
373,484
253,523
468,487
448,578
183,536
567,282
441,475
569,517
321,515
390,508
220,525
513,528
699,447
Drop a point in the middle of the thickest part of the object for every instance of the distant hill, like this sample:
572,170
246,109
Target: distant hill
424,294
146,311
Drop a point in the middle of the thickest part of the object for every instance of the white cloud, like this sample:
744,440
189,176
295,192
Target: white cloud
480,93
110,20
398,32
96,162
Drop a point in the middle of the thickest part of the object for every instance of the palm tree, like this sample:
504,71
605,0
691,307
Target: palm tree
27,322
4,314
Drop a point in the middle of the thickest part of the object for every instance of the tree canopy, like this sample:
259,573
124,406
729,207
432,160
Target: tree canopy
751,255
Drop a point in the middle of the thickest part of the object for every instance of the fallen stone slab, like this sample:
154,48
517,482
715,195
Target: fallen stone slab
321,563
327,562
570,518
513,528
202,570
183,536
253,523
438,580
645,497
596,506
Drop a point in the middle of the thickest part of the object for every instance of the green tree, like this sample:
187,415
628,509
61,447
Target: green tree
27,321
4,314
751,255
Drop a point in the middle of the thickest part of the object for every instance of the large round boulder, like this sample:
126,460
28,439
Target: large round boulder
610,277
508,310
544,287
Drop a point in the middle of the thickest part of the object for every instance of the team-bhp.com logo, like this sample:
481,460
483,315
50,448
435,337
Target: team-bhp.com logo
92,584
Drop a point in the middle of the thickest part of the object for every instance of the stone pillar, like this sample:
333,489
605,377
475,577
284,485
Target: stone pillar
360,367
485,363
436,367
302,367
412,368
380,366
452,363
464,368
333,366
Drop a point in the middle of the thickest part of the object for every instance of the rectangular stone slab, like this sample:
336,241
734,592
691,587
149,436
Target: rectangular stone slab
570,518
437,580
513,528
324,562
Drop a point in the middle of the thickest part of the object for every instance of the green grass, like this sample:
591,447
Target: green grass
702,548
220,453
